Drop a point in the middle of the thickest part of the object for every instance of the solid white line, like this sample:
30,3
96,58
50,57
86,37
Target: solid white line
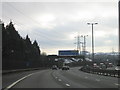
67,85
13,84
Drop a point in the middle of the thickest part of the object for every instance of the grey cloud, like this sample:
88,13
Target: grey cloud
57,37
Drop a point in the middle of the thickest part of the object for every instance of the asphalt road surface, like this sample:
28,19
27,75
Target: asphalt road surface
72,78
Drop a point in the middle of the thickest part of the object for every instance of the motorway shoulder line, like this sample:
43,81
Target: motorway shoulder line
13,84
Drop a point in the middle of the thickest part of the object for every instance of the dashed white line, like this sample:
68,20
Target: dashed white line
117,84
56,77
67,85
59,80
86,77
13,84
97,80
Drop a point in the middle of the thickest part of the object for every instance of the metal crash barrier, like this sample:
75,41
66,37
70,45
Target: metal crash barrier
113,73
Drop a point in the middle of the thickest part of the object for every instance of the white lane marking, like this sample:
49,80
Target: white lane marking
67,85
97,80
56,77
13,84
59,80
117,84
86,77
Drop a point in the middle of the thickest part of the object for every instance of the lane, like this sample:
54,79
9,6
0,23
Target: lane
104,79
79,79
42,79
10,78
72,78
95,76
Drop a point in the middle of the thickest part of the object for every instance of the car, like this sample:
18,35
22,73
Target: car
54,67
65,68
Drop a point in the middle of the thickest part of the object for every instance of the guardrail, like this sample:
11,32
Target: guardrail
21,70
113,73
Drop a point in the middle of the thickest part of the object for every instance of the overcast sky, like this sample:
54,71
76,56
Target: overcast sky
56,24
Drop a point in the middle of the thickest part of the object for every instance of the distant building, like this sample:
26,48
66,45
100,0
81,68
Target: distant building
68,52
109,53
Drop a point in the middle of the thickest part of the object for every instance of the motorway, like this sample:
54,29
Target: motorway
72,78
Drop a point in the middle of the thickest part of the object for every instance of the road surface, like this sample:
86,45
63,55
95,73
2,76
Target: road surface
72,78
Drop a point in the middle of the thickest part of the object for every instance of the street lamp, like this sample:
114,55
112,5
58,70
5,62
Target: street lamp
92,40
119,33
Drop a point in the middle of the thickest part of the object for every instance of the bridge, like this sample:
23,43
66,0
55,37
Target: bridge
65,56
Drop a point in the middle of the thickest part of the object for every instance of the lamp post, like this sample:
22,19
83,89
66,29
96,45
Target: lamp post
119,33
92,40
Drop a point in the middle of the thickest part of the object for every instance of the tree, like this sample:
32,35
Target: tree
17,52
